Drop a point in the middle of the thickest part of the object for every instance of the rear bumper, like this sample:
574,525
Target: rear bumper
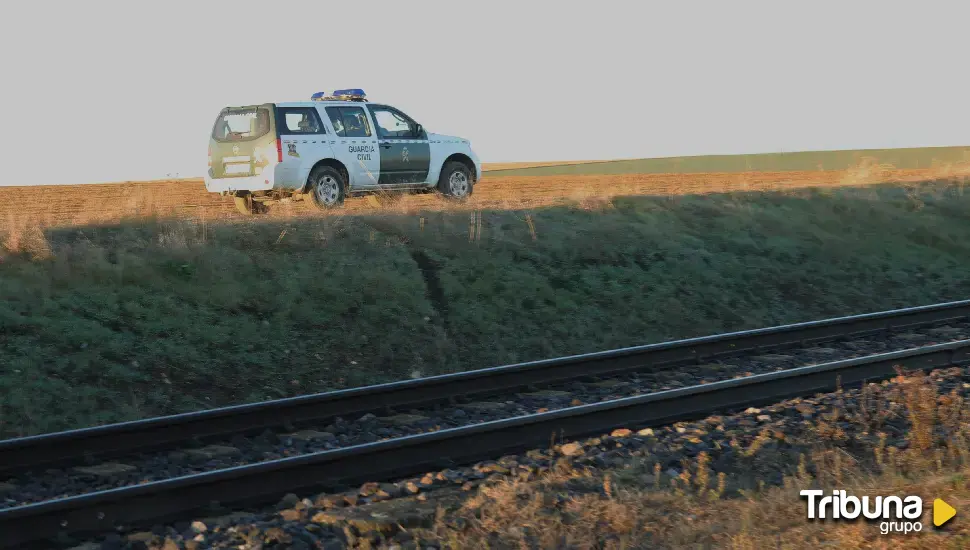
262,182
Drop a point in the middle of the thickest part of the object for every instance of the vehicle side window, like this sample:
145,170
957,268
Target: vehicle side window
299,120
391,124
349,121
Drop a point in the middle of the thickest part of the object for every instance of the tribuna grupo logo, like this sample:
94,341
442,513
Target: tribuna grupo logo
897,514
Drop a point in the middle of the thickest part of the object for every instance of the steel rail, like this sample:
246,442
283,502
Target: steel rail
101,442
264,482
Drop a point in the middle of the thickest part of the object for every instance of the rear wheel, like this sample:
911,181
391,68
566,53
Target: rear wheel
456,181
326,188
246,206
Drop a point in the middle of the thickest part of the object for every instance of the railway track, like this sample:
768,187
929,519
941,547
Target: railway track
259,482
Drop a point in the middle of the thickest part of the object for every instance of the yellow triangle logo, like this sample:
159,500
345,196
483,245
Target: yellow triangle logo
942,512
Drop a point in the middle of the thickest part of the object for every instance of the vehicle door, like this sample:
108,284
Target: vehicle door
405,151
242,142
303,139
356,144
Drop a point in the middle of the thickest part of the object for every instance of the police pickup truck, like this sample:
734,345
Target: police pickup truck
324,149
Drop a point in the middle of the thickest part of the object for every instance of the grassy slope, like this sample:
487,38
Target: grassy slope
154,318
912,158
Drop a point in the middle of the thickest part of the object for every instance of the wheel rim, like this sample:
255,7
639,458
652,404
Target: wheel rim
327,190
458,183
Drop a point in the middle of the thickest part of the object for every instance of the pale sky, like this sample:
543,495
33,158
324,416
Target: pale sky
102,91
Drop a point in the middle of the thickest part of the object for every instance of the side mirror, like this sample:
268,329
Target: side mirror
418,130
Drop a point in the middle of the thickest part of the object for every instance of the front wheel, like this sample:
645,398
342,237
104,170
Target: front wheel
326,188
456,181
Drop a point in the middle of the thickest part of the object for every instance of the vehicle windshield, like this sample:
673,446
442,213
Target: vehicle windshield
241,124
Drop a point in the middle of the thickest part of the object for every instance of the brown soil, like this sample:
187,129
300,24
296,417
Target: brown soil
52,206
486,166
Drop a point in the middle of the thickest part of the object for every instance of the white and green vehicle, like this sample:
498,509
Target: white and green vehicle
322,150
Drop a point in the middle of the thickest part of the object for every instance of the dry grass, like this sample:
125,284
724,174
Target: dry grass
489,166
21,235
59,206
631,508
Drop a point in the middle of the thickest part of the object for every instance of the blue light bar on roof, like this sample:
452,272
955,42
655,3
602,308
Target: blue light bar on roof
350,94
356,93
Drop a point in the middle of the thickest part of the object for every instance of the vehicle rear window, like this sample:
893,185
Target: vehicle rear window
241,124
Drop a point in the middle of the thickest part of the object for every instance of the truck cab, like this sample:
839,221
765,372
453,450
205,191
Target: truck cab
335,145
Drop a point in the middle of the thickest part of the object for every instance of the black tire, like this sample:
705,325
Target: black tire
325,188
456,181
246,206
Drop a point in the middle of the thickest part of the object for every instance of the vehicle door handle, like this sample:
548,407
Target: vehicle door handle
386,145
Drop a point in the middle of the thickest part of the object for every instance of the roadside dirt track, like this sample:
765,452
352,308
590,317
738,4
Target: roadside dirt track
58,206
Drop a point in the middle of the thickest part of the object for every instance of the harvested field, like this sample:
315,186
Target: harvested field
488,166
912,158
58,206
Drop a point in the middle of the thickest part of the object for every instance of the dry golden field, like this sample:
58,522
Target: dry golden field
60,205
489,166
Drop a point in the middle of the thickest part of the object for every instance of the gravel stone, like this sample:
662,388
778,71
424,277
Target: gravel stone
547,394
199,527
485,406
311,435
213,451
404,419
571,449
773,358
108,469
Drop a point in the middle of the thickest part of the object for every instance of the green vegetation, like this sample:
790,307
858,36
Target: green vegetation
904,159
153,317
